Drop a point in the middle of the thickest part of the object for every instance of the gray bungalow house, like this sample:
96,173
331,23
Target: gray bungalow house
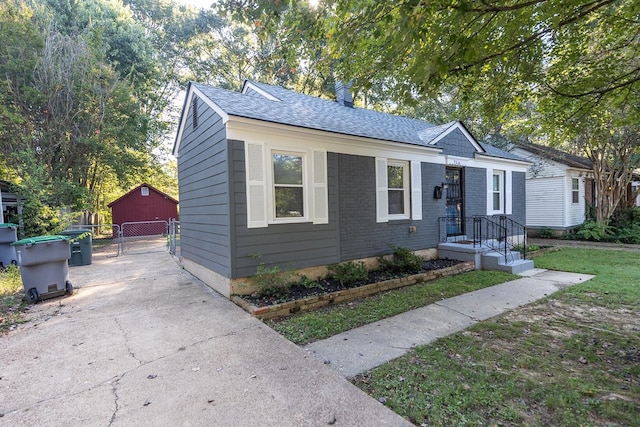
305,182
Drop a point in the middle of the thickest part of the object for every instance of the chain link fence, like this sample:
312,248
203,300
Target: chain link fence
106,241
144,236
174,238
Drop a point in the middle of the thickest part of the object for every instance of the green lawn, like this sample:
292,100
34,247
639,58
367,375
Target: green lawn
572,359
316,325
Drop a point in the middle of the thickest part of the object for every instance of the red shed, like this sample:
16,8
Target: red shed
144,204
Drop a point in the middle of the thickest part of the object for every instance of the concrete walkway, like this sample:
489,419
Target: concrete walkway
366,347
143,343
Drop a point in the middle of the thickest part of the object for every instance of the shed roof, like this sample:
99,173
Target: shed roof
136,188
276,104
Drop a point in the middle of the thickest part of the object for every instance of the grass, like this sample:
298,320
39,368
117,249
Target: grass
11,298
572,359
313,326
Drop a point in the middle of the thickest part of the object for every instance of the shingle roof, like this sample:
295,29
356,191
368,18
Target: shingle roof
136,188
296,109
497,152
556,155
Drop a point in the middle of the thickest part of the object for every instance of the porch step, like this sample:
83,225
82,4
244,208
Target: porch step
484,257
495,261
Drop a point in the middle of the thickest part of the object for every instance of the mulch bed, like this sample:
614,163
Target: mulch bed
328,285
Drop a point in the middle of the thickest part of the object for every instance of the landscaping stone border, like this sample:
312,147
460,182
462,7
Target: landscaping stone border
288,308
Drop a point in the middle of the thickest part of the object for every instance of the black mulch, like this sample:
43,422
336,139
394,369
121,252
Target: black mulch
328,285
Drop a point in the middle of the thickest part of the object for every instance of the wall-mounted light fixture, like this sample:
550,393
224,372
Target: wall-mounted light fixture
437,192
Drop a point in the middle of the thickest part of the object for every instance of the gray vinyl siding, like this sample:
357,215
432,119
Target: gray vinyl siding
360,235
204,192
457,144
518,191
289,246
251,92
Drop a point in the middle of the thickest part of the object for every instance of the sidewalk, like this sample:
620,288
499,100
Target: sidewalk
366,347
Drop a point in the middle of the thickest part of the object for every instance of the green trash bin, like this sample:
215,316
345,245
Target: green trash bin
43,266
81,247
8,235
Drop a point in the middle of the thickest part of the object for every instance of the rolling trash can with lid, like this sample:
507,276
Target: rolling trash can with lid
8,235
43,266
81,246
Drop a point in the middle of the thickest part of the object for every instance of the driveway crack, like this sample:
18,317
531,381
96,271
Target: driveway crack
126,341
114,390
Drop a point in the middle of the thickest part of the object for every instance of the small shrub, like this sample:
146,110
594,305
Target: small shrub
350,273
403,261
546,233
592,230
629,234
272,281
307,283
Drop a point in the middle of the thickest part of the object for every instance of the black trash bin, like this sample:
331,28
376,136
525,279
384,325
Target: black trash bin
43,266
81,247
8,235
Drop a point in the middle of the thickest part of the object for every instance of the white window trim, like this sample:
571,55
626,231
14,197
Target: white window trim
260,188
412,183
144,191
577,190
271,186
506,184
500,175
406,189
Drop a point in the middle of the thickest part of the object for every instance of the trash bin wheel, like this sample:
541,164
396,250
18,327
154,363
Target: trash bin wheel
69,288
32,295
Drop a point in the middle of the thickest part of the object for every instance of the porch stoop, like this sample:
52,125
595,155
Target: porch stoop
485,257
495,261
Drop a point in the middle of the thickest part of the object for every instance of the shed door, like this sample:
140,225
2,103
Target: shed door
455,220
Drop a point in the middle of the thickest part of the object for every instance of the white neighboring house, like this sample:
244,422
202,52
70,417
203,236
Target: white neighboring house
559,188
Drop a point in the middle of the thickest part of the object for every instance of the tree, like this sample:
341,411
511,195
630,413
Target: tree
71,123
535,69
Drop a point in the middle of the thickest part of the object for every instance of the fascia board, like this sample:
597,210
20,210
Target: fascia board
241,128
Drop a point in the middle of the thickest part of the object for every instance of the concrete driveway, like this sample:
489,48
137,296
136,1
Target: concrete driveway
142,342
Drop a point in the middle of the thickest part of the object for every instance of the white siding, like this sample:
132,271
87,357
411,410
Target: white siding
545,205
541,168
575,211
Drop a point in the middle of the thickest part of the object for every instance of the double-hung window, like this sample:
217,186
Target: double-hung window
498,191
285,185
575,190
398,189
288,185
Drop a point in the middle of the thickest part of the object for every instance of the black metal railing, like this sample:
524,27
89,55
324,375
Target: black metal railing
499,233
516,234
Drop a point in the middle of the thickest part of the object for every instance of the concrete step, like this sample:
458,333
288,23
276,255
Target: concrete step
496,261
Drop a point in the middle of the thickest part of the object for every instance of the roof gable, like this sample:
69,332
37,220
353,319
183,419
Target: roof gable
151,188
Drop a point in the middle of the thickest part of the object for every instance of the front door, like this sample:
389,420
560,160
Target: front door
453,189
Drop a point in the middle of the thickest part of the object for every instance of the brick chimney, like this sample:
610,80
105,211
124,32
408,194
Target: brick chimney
343,94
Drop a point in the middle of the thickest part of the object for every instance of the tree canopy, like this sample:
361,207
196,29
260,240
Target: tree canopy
89,86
